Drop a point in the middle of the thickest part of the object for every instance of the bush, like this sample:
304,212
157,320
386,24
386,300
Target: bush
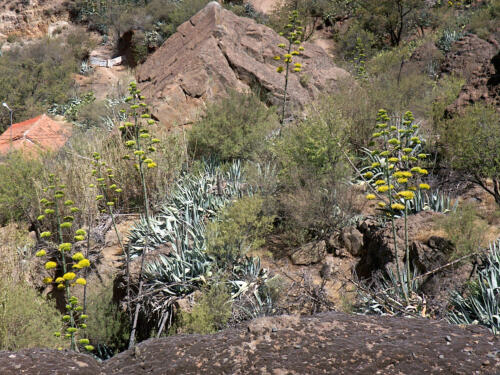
471,142
314,200
464,229
18,177
234,128
28,320
107,325
240,229
484,21
34,76
211,313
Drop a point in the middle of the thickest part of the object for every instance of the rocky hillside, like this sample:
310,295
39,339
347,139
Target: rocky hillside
216,51
331,343
29,18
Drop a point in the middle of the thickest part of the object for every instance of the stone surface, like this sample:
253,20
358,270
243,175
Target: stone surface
478,61
310,253
30,18
328,343
216,51
352,240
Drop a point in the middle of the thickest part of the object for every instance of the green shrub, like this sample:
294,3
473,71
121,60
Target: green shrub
108,326
464,229
241,229
234,128
445,93
313,148
27,319
35,76
18,176
348,41
484,21
392,20
313,199
471,142
211,313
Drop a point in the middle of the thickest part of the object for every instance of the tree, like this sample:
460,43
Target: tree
471,143
391,18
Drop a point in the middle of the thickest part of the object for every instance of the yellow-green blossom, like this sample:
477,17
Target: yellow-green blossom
50,265
397,206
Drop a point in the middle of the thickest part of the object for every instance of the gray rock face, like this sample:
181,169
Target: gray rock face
329,343
216,51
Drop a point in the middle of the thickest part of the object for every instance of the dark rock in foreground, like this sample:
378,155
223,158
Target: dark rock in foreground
330,343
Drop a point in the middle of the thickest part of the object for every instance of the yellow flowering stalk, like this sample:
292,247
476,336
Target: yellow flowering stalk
59,213
293,34
399,151
142,145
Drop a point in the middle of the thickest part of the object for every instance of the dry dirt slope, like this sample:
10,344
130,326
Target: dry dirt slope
330,343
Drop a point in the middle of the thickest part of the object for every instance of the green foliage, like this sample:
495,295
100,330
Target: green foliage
108,325
399,176
471,142
27,319
447,38
480,302
34,76
445,93
313,148
240,229
157,19
65,266
464,229
17,188
354,38
314,13
211,313
312,158
484,20
392,19
234,128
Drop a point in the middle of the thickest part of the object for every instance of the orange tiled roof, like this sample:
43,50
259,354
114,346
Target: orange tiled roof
37,134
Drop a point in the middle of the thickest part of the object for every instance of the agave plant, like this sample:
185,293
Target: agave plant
447,39
387,296
433,201
181,224
481,303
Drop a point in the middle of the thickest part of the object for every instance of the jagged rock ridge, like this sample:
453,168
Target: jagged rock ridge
216,51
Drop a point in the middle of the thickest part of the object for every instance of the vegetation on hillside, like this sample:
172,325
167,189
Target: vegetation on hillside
241,188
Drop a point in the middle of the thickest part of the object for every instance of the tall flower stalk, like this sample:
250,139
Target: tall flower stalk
293,34
107,193
64,263
137,138
399,155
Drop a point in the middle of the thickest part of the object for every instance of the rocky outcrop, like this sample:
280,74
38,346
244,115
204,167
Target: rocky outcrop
478,61
216,51
310,253
30,18
329,343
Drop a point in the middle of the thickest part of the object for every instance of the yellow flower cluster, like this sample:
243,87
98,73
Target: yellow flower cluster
399,143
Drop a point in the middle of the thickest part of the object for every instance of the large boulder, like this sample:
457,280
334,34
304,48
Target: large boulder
478,61
216,51
329,343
